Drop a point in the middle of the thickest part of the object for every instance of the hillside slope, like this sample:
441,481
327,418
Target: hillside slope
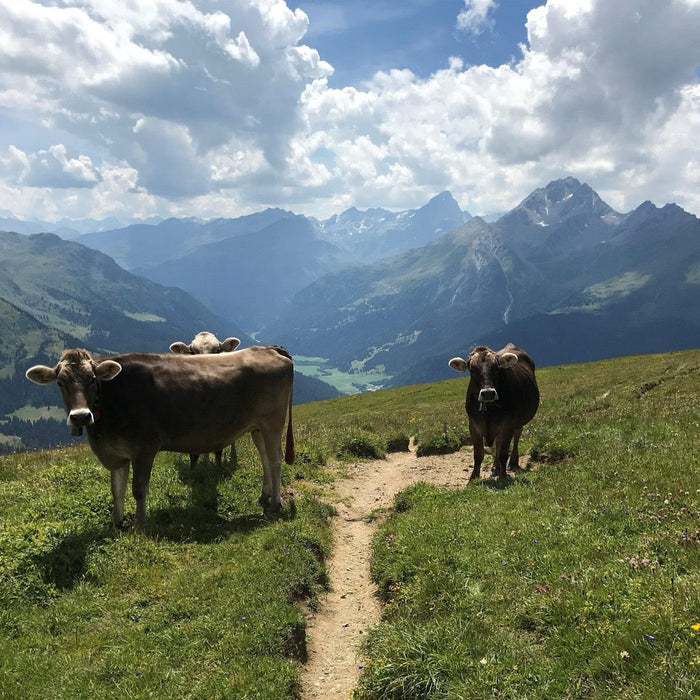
56,294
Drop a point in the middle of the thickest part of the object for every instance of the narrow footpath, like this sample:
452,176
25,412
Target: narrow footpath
335,632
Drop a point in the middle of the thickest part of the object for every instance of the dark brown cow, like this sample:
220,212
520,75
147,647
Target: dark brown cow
137,404
502,397
206,343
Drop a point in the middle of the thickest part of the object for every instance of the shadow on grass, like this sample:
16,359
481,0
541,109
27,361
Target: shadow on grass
64,565
201,523
500,484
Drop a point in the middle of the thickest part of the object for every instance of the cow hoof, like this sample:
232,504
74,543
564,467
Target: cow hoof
268,505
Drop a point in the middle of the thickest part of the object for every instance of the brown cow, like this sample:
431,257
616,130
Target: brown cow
137,404
502,397
206,343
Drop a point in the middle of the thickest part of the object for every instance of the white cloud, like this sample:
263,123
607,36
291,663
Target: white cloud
165,86
50,168
474,18
192,108
597,91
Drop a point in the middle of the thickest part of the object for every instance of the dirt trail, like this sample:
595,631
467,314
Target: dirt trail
336,631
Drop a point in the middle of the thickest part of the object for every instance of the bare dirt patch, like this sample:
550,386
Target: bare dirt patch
336,630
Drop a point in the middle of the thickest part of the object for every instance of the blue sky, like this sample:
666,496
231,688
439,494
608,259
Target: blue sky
216,108
360,37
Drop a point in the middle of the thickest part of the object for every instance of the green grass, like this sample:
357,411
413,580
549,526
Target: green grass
204,603
345,382
578,578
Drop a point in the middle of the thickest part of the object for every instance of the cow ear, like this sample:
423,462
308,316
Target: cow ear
41,374
458,364
228,345
107,369
507,359
180,348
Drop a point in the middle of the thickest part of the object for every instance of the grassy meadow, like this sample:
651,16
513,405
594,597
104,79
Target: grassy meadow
578,577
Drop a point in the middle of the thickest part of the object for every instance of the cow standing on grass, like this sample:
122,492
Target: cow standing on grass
137,404
502,397
206,343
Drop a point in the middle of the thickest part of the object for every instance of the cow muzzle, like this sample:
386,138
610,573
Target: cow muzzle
78,419
488,395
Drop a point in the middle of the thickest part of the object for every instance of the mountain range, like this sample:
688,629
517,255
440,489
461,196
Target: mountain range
248,269
368,293
562,274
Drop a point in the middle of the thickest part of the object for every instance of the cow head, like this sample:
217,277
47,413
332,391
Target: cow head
205,343
77,376
484,366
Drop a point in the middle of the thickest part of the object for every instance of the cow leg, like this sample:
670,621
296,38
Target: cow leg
119,477
217,459
500,457
193,460
270,449
513,462
142,464
266,493
478,446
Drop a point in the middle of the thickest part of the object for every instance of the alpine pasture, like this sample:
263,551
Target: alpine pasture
576,577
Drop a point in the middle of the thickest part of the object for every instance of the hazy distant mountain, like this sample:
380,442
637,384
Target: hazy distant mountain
251,278
391,312
563,217
247,269
377,233
68,229
142,246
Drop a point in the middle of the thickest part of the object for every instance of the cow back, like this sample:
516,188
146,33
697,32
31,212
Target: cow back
193,403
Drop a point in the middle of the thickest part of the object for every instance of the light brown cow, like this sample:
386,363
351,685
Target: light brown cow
137,404
206,343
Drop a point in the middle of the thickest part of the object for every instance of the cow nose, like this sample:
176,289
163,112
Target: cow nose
80,417
488,395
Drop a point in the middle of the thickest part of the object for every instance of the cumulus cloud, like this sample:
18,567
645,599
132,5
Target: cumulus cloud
163,85
50,168
193,108
474,18
598,88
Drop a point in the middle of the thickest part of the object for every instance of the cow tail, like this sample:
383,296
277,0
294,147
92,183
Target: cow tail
289,455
